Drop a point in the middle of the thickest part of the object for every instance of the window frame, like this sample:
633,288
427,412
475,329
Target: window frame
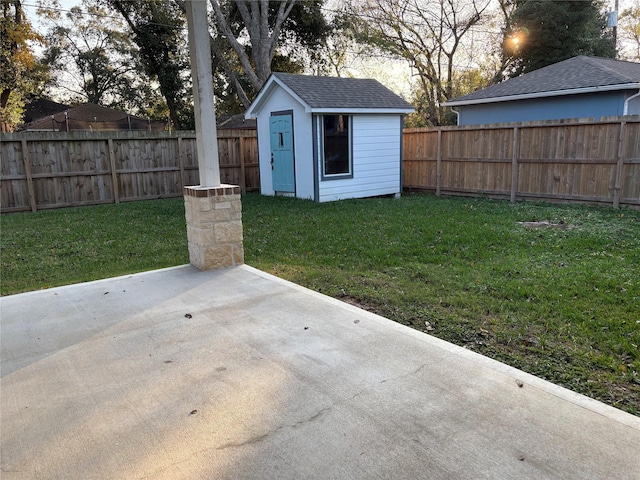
321,150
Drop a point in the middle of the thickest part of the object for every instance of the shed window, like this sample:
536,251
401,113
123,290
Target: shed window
336,145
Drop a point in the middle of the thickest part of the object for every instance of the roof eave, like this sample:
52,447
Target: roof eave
553,93
373,110
265,93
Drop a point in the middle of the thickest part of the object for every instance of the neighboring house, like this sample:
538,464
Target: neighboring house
41,108
87,117
326,138
581,87
236,122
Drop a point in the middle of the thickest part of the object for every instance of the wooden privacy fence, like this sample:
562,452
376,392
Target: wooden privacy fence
581,161
41,170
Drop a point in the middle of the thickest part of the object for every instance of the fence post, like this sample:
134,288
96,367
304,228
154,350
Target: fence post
114,174
619,166
243,183
439,163
27,171
181,162
514,165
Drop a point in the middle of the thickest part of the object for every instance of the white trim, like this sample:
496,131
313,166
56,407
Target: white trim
368,111
625,109
552,93
265,93
323,164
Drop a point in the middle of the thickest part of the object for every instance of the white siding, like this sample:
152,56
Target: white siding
376,160
281,101
376,141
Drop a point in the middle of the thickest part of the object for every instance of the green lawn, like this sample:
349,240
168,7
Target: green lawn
561,302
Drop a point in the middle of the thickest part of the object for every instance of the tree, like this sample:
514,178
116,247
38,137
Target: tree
630,30
158,31
543,32
428,34
263,34
20,72
249,38
500,59
94,59
291,25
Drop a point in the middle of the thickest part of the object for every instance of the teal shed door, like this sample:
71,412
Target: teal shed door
282,169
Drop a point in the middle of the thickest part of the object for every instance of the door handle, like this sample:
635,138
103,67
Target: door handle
272,161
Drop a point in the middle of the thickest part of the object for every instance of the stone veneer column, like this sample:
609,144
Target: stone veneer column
214,226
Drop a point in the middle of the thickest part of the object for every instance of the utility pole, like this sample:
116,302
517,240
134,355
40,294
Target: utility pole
615,27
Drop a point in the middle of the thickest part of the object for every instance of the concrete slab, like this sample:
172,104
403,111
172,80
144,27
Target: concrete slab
235,374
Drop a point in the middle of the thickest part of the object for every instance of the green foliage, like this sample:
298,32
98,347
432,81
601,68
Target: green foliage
543,32
254,40
21,74
430,36
94,60
464,82
159,32
630,30
304,32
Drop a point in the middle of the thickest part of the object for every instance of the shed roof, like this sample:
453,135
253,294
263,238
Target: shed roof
580,74
333,94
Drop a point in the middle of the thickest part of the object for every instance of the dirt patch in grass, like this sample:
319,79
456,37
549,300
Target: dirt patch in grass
546,224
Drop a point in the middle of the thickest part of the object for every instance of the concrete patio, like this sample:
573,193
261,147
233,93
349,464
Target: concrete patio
236,374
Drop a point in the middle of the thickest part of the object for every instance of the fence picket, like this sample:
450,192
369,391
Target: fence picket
84,168
580,161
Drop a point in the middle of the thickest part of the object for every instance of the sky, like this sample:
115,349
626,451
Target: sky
30,7
394,74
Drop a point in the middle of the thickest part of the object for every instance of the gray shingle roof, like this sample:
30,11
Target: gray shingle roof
574,73
335,92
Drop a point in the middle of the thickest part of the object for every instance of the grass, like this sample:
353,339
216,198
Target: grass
560,302
70,245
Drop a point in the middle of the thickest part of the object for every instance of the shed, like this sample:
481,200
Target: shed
328,138
580,87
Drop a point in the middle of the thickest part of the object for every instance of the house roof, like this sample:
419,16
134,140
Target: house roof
333,94
576,75
90,116
42,107
236,122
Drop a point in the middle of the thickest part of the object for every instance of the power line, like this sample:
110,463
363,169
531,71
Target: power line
83,13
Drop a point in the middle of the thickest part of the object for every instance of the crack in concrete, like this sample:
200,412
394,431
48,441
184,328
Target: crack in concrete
312,418
421,367
250,441
397,377
274,431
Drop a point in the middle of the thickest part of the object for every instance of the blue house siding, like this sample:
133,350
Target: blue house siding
594,105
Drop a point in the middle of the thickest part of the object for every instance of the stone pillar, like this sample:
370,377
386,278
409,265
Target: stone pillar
214,226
